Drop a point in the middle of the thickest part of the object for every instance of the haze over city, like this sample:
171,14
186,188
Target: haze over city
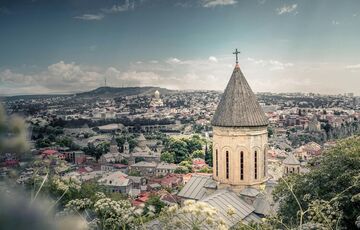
72,46
179,114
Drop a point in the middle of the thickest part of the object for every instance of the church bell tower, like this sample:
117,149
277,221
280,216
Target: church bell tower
239,136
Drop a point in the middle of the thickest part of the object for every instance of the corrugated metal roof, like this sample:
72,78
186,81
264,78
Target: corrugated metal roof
223,200
251,218
238,106
195,188
262,206
251,192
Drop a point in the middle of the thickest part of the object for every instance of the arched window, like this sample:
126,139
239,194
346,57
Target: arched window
227,164
241,165
216,163
255,165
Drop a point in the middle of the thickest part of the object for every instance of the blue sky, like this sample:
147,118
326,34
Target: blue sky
287,46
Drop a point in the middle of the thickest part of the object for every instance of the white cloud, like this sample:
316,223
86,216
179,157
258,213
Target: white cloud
59,77
128,5
90,17
8,76
214,3
213,59
173,61
353,67
272,65
286,9
262,74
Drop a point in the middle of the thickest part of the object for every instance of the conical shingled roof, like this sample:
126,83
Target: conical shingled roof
238,106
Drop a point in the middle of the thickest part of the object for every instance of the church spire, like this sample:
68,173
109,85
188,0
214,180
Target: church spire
238,106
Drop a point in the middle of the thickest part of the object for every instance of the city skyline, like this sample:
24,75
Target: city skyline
286,46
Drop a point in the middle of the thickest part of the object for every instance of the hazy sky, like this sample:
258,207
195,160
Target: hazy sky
72,45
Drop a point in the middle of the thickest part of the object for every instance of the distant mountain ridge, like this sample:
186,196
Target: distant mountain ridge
106,92
123,91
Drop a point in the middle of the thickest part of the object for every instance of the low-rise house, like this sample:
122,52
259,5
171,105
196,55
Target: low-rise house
116,182
306,152
141,199
114,167
76,157
313,148
110,158
91,175
49,152
199,163
138,182
169,181
164,168
155,186
11,163
144,168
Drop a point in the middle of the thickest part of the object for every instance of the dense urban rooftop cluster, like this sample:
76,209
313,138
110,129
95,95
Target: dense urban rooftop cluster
154,149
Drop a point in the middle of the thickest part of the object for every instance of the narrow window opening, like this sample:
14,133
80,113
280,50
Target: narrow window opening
255,161
227,164
241,165
216,163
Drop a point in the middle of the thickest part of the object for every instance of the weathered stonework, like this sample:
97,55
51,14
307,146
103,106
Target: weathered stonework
236,140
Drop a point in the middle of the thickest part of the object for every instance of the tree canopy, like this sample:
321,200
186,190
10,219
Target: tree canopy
333,184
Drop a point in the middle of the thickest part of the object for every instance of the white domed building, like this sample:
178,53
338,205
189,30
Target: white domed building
156,100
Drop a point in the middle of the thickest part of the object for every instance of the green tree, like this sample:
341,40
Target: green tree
42,143
96,151
67,142
209,155
198,154
51,137
179,148
167,157
334,179
181,170
270,131
193,144
155,202
186,164
138,159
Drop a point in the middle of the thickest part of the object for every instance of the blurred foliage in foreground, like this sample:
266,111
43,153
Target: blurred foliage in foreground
13,133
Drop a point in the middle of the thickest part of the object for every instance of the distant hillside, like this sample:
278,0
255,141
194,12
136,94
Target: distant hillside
30,97
125,91
102,92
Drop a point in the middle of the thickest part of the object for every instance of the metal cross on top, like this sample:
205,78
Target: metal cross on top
236,53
